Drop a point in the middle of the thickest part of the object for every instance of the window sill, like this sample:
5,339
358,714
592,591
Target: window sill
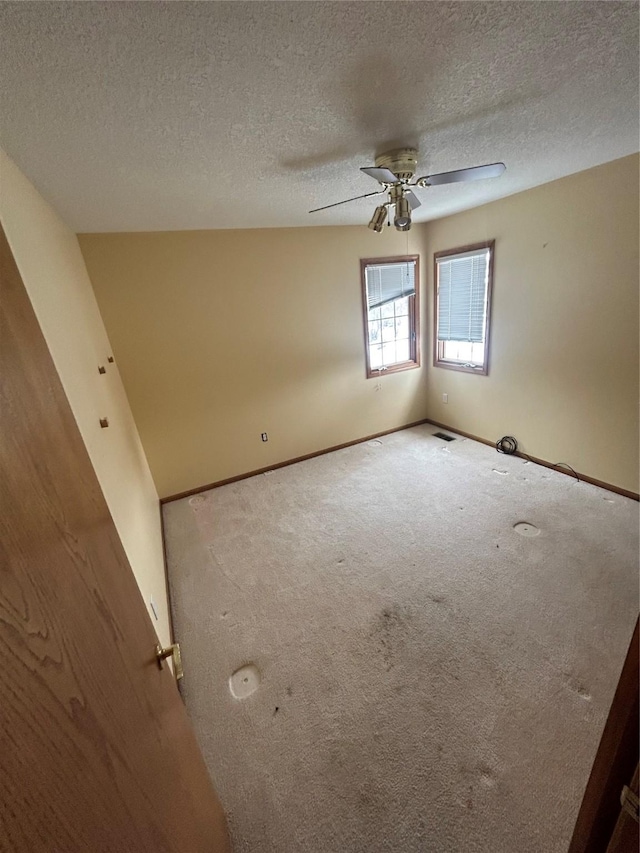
452,365
394,368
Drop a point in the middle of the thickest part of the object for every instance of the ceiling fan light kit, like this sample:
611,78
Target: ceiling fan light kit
402,219
378,219
395,170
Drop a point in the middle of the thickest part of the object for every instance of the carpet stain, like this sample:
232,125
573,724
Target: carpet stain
389,632
479,777
370,798
437,599
577,686
469,800
486,775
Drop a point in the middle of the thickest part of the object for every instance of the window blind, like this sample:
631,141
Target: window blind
388,282
462,296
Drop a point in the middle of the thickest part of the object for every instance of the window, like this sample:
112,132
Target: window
391,313
464,279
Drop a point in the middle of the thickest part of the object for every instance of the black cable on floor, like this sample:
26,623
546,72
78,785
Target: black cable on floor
566,465
509,445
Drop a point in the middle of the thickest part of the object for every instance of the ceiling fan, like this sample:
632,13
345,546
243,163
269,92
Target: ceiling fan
395,171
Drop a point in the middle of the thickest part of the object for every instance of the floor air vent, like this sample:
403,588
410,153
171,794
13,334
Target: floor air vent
444,436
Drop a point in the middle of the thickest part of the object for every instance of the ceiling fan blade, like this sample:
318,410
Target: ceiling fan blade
384,176
493,170
355,198
412,198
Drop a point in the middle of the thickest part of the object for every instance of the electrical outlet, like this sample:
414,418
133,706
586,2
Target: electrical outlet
264,436
378,386
445,398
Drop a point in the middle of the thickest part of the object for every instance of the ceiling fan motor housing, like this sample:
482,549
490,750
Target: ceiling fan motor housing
401,161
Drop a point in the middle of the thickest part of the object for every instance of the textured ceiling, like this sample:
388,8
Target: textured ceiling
154,116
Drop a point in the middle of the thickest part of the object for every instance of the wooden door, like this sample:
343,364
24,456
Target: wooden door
96,752
625,836
600,825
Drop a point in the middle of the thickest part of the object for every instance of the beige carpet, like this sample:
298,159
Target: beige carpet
431,679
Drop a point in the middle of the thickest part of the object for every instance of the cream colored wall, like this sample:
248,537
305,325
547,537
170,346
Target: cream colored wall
223,335
563,375
54,274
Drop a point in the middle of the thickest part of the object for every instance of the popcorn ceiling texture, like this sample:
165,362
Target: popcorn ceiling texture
430,679
169,116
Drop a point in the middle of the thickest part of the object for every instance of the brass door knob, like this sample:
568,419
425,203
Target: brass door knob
174,652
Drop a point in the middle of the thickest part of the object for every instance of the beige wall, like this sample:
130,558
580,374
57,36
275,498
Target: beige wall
222,335
54,274
563,375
